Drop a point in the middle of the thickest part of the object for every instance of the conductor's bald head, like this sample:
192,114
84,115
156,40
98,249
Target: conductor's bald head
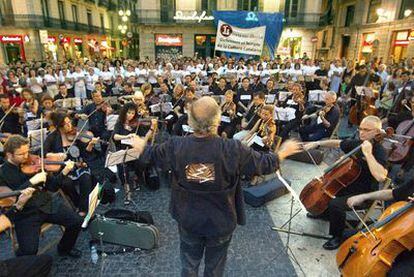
204,116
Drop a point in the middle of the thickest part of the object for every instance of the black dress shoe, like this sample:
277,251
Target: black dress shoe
333,243
74,253
314,216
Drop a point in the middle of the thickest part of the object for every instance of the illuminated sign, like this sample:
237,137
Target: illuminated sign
77,40
179,15
168,40
11,39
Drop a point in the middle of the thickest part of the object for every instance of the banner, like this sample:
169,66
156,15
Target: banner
239,40
248,19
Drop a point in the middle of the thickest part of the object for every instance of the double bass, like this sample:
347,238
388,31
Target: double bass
316,195
371,252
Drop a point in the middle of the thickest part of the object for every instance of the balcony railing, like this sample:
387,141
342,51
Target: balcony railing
304,20
166,16
39,22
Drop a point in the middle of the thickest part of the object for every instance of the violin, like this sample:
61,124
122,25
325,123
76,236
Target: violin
8,197
405,135
84,136
316,195
371,252
33,164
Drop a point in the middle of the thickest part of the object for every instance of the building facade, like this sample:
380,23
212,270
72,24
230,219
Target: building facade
367,29
168,27
74,29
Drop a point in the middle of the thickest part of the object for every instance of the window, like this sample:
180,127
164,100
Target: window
101,17
89,18
349,19
248,5
61,8
407,9
324,38
112,22
291,8
45,8
75,14
208,5
374,5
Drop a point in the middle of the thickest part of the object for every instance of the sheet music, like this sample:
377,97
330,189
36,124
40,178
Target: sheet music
284,114
35,137
270,98
187,129
316,95
283,95
111,121
225,119
245,97
33,124
121,156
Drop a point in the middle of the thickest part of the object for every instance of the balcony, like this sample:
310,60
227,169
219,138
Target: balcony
310,20
40,22
166,16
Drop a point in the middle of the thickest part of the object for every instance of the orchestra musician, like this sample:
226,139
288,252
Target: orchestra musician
371,158
298,103
399,111
125,128
221,87
40,208
61,142
63,92
265,128
228,116
244,93
12,123
328,118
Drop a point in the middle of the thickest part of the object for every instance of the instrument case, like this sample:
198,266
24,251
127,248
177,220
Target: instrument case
260,194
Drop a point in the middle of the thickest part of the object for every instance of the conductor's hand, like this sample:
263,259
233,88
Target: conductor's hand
38,178
356,200
138,143
24,197
289,148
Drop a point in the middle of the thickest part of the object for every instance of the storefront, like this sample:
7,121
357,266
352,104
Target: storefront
204,45
400,42
370,47
290,46
51,48
168,46
13,47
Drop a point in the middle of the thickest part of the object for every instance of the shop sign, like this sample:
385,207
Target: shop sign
77,41
411,37
314,39
65,40
11,39
401,42
168,40
179,15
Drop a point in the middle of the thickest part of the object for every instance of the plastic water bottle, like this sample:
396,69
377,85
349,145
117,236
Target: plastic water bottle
94,254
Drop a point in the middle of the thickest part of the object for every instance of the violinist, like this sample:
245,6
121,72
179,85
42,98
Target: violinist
228,116
371,158
328,118
96,113
29,105
12,123
126,128
40,208
61,142
265,128
297,101
252,116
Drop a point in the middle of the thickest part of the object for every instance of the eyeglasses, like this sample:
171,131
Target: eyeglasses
365,129
21,154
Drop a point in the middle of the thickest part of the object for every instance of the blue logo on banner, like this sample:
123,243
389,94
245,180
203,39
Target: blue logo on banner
251,16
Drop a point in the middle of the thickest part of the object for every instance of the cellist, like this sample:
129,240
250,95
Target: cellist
371,158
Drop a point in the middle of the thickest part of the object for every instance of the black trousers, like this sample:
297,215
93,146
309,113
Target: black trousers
28,229
80,199
27,266
192,249
286,128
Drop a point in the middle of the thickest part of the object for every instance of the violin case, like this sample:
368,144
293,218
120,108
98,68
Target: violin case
304,156
127,228
260,194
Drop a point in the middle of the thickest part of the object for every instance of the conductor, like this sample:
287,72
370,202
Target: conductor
206,197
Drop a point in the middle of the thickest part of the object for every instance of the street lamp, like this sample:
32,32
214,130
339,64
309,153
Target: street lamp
124,15
407,12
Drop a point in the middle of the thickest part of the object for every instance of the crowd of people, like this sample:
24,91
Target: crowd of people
82,110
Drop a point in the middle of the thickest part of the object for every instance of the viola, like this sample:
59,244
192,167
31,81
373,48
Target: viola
316,195
371,252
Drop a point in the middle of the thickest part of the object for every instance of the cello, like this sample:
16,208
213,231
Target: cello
364,107
371,252
316,195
